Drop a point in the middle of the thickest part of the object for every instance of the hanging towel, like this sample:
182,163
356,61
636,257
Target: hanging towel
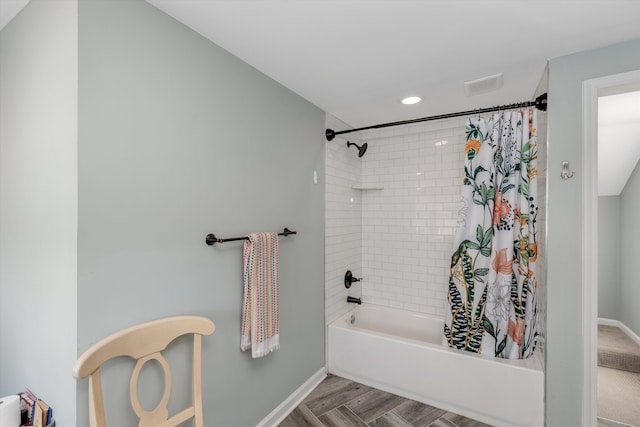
261,312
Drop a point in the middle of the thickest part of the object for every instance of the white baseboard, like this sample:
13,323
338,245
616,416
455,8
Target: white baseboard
624,328
285,408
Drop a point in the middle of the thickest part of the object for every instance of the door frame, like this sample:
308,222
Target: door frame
591,90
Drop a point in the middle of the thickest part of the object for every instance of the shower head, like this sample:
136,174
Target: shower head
361,149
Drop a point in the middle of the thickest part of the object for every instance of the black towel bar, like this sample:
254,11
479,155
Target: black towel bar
211,239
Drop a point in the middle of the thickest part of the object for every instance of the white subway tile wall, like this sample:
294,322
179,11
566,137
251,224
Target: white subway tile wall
343,224
409,225
397,232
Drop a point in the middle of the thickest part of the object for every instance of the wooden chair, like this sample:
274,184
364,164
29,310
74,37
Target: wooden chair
143,343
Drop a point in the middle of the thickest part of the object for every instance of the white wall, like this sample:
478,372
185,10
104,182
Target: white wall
408,227
343,221
38,204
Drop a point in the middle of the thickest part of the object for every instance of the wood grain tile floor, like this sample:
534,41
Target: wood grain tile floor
338,402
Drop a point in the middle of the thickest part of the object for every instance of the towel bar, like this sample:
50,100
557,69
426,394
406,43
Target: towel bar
211,239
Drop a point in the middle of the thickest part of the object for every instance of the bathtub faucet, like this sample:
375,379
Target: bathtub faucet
354,300
349,279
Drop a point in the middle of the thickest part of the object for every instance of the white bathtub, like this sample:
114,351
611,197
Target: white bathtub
401,352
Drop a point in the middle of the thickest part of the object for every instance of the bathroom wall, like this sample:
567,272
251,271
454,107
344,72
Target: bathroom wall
609,261
178,139
617,237
343,220
409,217
38,204
408,226
541,263
629,238
565,370
409,196
411,185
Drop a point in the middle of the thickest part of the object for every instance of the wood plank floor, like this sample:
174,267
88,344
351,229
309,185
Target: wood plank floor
338,402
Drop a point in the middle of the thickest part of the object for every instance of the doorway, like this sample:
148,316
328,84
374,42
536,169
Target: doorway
593,91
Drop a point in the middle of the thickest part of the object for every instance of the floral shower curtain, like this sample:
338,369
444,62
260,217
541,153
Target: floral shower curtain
492,286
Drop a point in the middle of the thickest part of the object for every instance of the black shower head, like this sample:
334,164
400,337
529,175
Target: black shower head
361,149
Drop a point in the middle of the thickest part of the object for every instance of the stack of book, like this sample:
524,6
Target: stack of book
34,411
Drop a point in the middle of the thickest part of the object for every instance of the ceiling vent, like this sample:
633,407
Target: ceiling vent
483,85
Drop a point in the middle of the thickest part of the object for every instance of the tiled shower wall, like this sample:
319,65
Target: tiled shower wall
408,225
397,230
343,221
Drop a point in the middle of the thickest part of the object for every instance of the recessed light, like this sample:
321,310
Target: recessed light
441,143
409,100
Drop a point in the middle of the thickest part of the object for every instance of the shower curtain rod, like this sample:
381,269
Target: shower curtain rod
540,103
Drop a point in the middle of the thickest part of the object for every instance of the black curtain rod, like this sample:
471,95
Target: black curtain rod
211,239
540,103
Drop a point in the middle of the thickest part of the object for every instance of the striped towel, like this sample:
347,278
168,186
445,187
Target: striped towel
261,312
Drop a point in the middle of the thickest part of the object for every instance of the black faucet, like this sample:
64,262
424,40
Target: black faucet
349,279
354,300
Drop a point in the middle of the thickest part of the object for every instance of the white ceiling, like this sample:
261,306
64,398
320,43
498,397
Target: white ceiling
618,141
356,59
9,9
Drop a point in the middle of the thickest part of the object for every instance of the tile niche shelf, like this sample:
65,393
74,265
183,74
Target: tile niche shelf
366,188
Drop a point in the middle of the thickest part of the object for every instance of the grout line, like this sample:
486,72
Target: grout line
315,417
354,414
401,417
360,396
344,404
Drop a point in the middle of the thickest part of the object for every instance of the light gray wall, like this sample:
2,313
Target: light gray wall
178,139
541,221
38,204
564,379
609,261
629,238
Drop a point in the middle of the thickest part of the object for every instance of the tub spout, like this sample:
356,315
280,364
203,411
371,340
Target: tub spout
354,300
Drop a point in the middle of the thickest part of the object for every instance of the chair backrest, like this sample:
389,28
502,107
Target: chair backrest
144,343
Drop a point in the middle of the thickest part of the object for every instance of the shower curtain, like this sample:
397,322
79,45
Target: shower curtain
492,284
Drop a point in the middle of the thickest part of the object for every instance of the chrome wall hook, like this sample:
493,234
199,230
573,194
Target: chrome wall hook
566,173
